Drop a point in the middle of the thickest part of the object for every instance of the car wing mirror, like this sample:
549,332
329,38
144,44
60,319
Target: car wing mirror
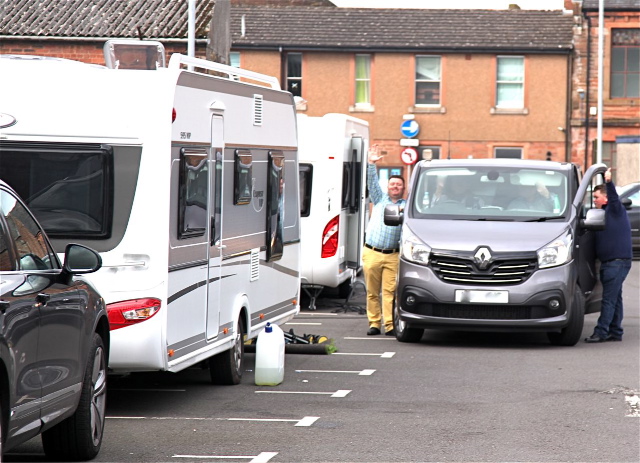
81,259
626,202
393,215
594,220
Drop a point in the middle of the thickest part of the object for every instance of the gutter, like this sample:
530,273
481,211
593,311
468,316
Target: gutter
95,39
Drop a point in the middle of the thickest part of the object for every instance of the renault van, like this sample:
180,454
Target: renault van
497,245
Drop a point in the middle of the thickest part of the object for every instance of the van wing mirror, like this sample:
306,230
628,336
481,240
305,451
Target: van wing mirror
595,220
393,215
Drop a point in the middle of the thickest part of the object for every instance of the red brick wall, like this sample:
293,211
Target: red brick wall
619,116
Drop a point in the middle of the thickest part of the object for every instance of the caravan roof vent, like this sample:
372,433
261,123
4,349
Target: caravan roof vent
257,109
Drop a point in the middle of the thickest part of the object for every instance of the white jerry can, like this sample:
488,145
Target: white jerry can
270,356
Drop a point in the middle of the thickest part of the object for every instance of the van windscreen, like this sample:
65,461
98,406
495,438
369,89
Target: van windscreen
474,193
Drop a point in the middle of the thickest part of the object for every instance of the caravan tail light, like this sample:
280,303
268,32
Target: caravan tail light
330,237
126,313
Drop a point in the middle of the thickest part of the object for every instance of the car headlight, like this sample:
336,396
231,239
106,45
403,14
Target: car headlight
413,249
558,252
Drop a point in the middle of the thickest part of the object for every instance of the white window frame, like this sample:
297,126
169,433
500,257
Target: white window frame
517,81
497,149
362,82
438,81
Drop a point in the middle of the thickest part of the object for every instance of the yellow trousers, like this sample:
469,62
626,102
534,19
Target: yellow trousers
380,277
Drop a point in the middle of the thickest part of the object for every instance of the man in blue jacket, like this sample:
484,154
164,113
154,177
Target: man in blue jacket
613,249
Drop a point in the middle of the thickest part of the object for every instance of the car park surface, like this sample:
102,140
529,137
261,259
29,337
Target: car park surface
453,396
54,340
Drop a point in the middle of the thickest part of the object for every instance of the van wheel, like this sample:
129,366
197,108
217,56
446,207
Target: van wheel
226,368
403,332
571,334
79,437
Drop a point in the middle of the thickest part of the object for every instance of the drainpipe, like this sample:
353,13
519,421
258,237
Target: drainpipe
567,123
191,35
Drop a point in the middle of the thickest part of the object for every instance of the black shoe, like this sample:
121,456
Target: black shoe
594,338
373,331
391,332
613,338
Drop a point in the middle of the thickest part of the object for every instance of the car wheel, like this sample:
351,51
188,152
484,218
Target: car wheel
226,368
79,437
570,335
1,436
403,332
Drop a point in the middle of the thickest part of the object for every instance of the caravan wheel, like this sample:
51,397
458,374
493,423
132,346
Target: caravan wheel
226,368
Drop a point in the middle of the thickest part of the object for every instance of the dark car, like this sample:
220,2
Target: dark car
632,193
54,340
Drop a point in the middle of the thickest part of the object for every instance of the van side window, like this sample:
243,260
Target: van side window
31,246
305,173
275,206
243,177
193,194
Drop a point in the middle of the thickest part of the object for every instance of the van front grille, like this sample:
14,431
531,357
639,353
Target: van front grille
500,271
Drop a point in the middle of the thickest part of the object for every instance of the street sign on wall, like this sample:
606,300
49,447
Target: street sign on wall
410,128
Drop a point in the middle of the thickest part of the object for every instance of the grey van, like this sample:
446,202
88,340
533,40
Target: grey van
497,245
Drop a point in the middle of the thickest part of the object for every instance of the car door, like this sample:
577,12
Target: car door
19,328
60,356
588,277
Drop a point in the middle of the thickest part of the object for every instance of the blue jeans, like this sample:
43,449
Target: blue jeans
612,275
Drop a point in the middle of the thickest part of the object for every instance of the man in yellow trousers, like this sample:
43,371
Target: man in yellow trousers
381,249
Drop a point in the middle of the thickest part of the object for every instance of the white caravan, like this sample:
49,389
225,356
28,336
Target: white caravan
187,185
332,151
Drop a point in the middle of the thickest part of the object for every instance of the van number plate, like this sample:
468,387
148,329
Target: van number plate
482,297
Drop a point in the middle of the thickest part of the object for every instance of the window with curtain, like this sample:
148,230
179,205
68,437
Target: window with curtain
510,82
428,75
294,73
625,63
363,80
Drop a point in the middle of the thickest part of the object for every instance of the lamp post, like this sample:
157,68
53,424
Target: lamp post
600,77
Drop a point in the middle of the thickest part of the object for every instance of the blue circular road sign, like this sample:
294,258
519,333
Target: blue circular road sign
410,128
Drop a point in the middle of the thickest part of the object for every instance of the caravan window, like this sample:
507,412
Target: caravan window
194,193
275,206
306,177
243,177
68,187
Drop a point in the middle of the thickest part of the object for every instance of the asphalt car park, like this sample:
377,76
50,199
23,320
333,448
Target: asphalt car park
453,396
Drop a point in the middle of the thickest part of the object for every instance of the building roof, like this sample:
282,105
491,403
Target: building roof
610,5
306,28
150,19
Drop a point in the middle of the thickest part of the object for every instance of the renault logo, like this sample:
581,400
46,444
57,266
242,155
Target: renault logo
482,257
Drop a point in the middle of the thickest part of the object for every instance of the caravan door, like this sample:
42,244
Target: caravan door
215,230
356,202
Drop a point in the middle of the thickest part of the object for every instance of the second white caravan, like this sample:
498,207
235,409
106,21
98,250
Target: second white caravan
187,185
333,154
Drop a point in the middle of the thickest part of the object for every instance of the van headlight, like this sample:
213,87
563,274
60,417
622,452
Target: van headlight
413,249
558,252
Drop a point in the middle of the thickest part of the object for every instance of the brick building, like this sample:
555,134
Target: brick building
621,87
480,83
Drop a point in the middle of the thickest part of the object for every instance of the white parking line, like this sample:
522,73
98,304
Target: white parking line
263,457
296,323
306,421
370,338
338,393
384,355
361,372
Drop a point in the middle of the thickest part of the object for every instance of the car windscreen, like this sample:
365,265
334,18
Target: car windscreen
489,193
